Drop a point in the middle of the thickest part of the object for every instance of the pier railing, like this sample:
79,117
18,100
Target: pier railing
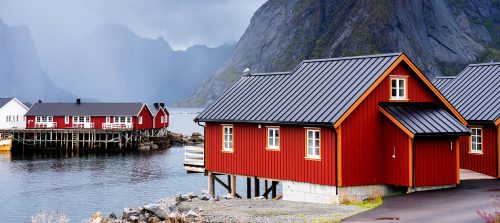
194,158
83,125
117,125
46,125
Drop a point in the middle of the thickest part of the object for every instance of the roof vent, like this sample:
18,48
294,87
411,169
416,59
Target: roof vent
156,105
78,101
246,71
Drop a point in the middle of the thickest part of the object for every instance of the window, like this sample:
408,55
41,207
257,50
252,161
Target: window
273,138
476,140
313,148
140,120
38,119
66,119
7,118
129,119
108,119
227,131
162,119
81,119
43,119
123,119
398,88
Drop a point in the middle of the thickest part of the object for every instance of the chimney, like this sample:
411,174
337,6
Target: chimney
39,101
162,105
78,101
156,105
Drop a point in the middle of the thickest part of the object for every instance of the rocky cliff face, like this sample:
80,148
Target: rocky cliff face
21,74
440,36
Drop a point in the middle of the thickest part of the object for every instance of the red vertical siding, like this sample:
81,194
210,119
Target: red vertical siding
396,155
362,138
434,161
251,158
147,119
485,163
157,120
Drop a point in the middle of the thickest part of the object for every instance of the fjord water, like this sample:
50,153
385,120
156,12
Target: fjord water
80,184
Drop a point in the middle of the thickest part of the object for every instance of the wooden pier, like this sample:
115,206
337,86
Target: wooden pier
80,138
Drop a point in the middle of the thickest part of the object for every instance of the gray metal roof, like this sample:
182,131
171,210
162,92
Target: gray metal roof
425,119
4,101
475,92
441,82
85,109
315,92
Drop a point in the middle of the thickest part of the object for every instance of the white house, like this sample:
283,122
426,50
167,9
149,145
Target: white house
12,113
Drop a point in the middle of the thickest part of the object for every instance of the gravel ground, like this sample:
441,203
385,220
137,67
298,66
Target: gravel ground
250,210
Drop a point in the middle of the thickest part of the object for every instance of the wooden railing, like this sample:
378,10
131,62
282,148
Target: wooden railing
194,156
117,125
87,125
45,125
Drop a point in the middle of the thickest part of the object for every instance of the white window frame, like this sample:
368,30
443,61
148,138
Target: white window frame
311,146
476,144
140,120
108,119
81,119
162,119
66,119
398,88
273,138
227,138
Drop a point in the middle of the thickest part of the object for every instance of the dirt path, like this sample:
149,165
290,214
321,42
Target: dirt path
250,210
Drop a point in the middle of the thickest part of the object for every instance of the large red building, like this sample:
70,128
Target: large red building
133,116
336,129
475,93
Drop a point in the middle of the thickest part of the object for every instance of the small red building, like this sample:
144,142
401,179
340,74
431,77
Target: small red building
336,129
475,92
135,116
161,116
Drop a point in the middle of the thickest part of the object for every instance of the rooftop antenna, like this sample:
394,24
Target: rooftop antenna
246,71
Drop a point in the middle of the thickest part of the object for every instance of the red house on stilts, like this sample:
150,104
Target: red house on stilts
475,93
161,116
57,115
335,129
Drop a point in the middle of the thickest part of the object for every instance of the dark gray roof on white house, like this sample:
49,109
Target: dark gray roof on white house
4,101
316,92
85,109
475,92
441,82
424,119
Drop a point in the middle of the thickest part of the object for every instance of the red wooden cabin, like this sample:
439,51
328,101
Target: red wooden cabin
475,92
161,117
334,129
134,116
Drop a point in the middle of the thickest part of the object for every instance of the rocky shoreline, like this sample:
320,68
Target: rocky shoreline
181,139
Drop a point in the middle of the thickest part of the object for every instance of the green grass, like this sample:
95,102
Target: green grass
368,203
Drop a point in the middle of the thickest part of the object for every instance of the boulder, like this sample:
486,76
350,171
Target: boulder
228,196
112,216
159,210
153,219
128,212
191,214
188,196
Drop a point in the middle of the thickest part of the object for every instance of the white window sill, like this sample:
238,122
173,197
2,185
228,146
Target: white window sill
313,158
273,148
476,152
398,99
227,150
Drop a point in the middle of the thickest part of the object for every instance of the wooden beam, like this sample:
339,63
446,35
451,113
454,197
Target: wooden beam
339,156
498,150
211,186
233,185
256,187
270,189
224,185
249,187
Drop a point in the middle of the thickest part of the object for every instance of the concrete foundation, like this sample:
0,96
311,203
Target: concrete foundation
426,188
311,193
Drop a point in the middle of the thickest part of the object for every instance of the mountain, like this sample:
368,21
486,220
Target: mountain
115,64
440,36
21,74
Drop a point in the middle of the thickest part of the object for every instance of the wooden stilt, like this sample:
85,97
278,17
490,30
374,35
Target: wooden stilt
249,187
273,192
265,188
229,184
233,185
256,187
211,186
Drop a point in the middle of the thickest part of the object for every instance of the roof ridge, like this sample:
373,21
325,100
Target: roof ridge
268,73
353,57
484,64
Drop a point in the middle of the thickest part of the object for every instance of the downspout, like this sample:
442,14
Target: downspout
413,162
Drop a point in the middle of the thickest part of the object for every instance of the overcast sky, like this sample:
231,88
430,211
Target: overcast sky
182,23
